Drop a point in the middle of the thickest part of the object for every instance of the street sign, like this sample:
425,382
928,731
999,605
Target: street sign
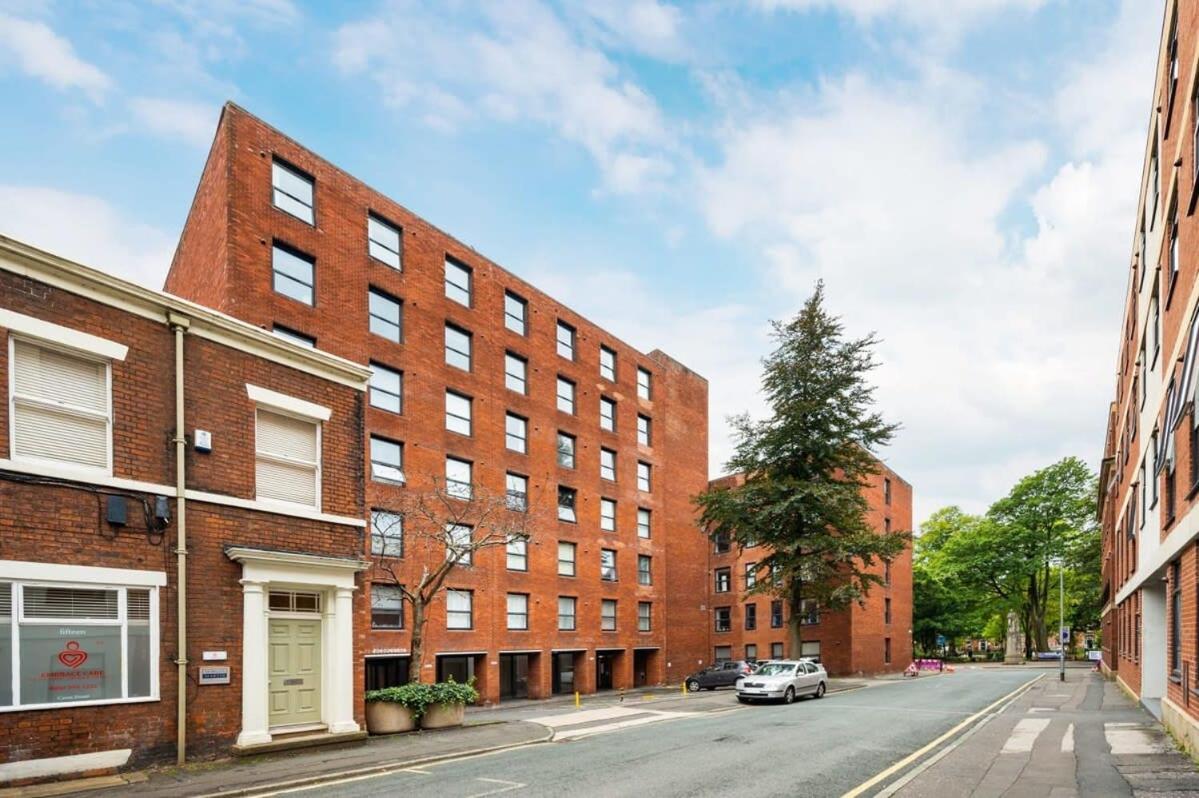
1065,635
940,641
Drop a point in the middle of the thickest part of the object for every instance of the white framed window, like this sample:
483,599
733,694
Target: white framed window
566,613
566,450
458,413
60,406
645,616
517,492
294,336
386,388
644,478
516,373
566,395
294,274
458,542
458,478
387,533
287,458
724,580
383,241
459,605
566,558
608,465
516,313
751,574
291,191
645,569
457,347
517,554
608,363
608,615
387,460
387,607
607,414
386,315
518,611
644,431
644,384
608,515
566,340
516,433
566,504
457,281
644,523
810,649
608,565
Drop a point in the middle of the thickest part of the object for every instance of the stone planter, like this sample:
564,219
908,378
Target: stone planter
441,716
388,717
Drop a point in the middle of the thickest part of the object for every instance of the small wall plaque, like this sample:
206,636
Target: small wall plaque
214,674
209,656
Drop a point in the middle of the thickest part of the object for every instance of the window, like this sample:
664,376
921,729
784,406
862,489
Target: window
387,534
458,543
517,554
458,613
566,559
644,384
886,491
607,363
608,515
287,459
1174,256
809,612
61,407
516,313
386,672
643,477
518,611
1154,188
458,413
644,436
608,565
295,337
751,574
724,619
887,650
292,191
608,464
386,388
723,654
383,241
566,340
751,617
608,615
645,616
386,316
111,628
810,649
387,607
566,395
566,504
776,614
1155,315
776,650
566,613
566,450
457,347
517,492
457,282
516,370
387,460
887,610
294,274
645,574
607,414
644,522
1172,53
1176,619
751,652
516,433
458,478
722,543
887,573
723,580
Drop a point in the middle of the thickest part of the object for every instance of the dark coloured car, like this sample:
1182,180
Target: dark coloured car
722,674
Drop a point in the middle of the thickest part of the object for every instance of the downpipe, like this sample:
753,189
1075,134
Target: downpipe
179,325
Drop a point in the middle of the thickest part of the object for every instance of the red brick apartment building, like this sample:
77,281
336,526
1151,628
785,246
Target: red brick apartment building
1149,482
874,637
478,377
93,509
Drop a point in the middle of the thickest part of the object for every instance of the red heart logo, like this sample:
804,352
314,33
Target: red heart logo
72,656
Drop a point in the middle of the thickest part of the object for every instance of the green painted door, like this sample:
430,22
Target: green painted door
295,672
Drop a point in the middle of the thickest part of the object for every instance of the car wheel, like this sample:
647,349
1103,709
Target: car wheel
820,690
693,686
789,696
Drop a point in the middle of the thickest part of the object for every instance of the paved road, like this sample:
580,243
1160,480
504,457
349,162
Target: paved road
812,748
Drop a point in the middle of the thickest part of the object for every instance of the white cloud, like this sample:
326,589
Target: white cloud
920,11
645,26
43,54
191,122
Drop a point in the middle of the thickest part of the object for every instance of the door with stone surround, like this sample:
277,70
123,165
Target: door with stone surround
295,672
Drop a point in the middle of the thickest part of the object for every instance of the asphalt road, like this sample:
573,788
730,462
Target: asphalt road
811,748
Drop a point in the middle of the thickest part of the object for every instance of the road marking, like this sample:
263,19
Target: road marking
1043,709
1135,738
1024,735
509,786
585,716
1068,740
915,755
574,734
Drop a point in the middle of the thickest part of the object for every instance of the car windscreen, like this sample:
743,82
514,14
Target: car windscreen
774,669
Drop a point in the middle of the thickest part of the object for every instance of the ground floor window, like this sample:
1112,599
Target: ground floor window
751,652
776,650
386,672
810,649
887,650
724,653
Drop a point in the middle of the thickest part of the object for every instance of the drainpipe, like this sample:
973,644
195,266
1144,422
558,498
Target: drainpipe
179,325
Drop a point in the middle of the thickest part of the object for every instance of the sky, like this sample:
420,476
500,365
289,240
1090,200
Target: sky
963,176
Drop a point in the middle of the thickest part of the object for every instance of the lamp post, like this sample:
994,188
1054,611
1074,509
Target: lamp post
1061,631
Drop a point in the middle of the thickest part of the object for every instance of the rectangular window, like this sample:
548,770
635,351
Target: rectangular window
776,650
887,650
643,477
566,559
457,347
458,539
517,554
288,334
1154,187
723,654
1174,256
1176,619
518,611
387,607
61,407
608,515
516,371
566,450
516,433
644,523
645,616
387,460
810,649
386,388
383,241
644,436
776,614
608,565
751,652
458,478
287,459
644,384
608,615
458,609
809,612
566,504
292,191
887,573
386,316
886,491
608,465
607,363
566,613
566,395
517,492
516,313
458,413
724,619
645,573
751,617
566,340
721,543
457,281
723,580
607,414
294,274
751,574
387,534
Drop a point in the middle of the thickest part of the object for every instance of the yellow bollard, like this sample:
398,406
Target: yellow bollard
684,687
576,699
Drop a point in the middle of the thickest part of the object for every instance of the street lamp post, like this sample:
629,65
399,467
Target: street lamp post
1061,631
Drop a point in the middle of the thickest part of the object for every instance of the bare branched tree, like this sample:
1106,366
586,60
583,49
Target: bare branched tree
439,531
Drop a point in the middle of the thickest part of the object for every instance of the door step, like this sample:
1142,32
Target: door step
281,732
291,742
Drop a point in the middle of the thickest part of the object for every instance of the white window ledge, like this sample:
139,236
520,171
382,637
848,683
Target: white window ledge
288,404
62,336
22,570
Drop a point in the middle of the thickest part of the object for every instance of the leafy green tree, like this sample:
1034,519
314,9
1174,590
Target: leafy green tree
947,600
805,467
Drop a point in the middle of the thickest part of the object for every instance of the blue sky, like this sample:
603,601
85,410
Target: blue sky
963,175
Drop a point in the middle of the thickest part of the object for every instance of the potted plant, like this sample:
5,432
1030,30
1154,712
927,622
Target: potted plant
395,709
447,704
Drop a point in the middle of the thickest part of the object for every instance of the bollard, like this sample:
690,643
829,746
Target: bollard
576,699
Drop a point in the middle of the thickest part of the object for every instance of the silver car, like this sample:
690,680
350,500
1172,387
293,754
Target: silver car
785,680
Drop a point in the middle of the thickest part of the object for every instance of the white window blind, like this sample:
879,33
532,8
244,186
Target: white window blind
71,602
288,459
60,406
